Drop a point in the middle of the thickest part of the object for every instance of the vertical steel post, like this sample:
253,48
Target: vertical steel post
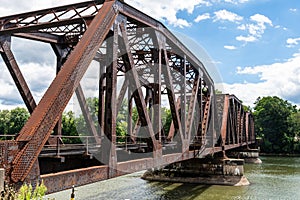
183,98
157,96
111,102
129,117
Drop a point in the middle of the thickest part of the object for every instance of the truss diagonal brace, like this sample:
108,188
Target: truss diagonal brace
192,106
171,95
86,114
17,76
138,95
39,126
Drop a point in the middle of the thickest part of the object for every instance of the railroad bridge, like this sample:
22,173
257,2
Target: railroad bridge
138,64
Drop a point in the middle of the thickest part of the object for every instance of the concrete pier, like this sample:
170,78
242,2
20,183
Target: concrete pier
202,171
249,155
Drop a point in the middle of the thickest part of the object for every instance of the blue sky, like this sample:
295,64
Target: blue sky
253,45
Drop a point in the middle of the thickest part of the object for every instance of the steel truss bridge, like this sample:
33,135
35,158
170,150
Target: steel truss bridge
139,65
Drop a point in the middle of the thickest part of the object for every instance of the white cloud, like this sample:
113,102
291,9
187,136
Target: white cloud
165,10
229,47
38,78
292,42
278,79
236,1
9,7
255,30
202,17
261,19
224,15
293,9
249,38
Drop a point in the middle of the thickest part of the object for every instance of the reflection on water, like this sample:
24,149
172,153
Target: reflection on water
276,178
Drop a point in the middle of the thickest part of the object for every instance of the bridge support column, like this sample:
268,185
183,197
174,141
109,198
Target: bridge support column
250,156
212,171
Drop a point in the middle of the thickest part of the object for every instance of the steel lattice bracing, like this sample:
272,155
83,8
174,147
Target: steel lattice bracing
140,63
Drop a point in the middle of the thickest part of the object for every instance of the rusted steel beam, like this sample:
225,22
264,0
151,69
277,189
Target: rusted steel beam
43,26
64,180
17,76
206,113
122,94
232,121
35,20
137,94
41,37
101,104
61,55
225,119
252,129
247,128
157,86
38,128
129,119
86,114
192,106
239,120
171,96
109,145
243,126
183,89
172,128
157,99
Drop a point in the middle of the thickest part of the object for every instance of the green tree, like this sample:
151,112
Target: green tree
69,124
17,119
167,119
4,122
272,123
12,121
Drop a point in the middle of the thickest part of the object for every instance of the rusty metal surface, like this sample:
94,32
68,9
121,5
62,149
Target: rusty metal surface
43,119
224,119
8,151
64,180
54,20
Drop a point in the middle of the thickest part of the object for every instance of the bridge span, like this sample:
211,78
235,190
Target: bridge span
136,65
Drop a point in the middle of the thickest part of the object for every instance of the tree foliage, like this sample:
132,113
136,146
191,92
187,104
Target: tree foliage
12,121
277,123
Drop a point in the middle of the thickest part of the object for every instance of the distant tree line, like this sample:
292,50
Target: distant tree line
12,121
277,123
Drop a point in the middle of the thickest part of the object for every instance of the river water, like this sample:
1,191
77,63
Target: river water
275,178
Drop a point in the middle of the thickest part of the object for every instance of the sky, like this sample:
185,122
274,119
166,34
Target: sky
253,46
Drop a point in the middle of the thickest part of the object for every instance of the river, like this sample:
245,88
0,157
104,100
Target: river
275,178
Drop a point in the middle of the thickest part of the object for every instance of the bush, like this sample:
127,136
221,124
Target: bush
26,192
